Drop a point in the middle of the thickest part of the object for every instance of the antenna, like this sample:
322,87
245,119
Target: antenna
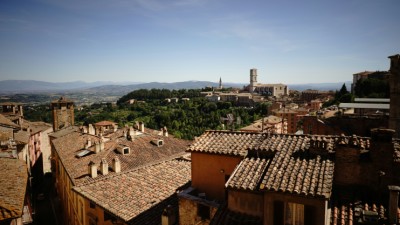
230,119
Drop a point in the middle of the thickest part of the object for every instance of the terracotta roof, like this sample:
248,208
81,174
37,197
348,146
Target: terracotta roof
225,142
142,152
248,174
13,180
64,131
269,121
105,123
7,122
38,126
348,207
132,193
299,175
296,164
291,169
22,137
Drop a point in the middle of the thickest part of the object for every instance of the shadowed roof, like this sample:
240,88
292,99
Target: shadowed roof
13,181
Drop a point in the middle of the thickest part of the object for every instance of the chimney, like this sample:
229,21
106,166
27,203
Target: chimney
92,169
20,110
115,127
104,166
124,133
91,130
99,147
116,165
88,143
393,203
84,129
165,132
131,132
382,135
141,127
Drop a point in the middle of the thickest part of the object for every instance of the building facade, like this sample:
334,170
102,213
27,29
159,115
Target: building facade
275,90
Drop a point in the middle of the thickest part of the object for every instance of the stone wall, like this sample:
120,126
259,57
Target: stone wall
189,212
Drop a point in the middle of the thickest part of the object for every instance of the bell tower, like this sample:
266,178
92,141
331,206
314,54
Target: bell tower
253,79
394,81
63,113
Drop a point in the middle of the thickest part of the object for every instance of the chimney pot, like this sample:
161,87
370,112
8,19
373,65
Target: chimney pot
104,166
91,130
92,169
116,165
141,127
165,132
88,143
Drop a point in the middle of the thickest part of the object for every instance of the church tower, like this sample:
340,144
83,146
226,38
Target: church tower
394,82
253,80
63,113
220,83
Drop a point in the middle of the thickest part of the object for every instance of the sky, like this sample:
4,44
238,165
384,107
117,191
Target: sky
288,41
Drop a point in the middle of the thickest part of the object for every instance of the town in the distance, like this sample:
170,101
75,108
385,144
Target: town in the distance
255,155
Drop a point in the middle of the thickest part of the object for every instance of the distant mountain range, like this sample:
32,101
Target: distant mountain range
32,86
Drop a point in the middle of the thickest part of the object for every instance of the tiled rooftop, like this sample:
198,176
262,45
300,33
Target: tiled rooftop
7,122
248,174
348,207
291,169
225,142
129,194
13,180
298,175
142,152
37,126
296,164
21,137
105,123
64,131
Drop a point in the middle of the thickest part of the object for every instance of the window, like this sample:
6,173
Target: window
294,214
126,151
92,205
203,212
288,213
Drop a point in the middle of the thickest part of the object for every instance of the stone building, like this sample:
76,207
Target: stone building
63,113
124,176
275,90
381,75
256,178
292,117
269,124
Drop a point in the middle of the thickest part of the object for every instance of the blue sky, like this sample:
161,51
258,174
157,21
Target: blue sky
288,41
